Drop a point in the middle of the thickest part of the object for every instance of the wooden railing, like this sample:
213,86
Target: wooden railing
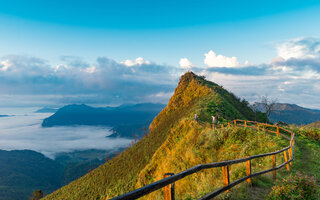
287,151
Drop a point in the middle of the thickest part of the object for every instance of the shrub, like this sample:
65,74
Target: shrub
310,131
298,186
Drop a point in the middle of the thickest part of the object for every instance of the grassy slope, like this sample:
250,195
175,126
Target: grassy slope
198,145
120,175
306,160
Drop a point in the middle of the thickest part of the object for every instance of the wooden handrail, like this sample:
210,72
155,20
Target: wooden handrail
166,181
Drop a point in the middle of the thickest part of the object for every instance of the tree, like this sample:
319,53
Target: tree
36,195
268,104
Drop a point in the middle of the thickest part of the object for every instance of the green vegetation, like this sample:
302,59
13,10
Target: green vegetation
306,161
296,186
23,171
311,131
307,158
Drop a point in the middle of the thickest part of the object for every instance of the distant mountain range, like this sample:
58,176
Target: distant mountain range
291,113
126,120
47,110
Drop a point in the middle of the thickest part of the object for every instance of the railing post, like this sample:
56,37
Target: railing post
278,131
274,165
169,189
286,160
235,123
229,124
248,170
290,151
226,178
245,124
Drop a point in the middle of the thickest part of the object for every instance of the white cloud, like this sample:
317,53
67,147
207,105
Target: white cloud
61,68
138,61
185,63
4,65
214,60
90,70
300,48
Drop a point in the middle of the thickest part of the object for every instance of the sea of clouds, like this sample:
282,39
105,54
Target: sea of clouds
23,130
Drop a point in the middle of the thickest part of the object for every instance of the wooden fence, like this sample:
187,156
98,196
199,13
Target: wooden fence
168,182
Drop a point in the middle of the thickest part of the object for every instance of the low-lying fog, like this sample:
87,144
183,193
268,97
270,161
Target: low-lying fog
23,131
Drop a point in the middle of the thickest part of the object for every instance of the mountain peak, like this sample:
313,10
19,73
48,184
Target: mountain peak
188,76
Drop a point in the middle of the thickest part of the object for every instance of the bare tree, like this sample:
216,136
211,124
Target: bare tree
268,104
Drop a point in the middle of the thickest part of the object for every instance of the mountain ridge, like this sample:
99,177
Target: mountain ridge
193,95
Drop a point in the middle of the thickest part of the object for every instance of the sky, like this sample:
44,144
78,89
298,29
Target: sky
113,52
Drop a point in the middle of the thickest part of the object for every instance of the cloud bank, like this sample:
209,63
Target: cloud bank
292,76
74,80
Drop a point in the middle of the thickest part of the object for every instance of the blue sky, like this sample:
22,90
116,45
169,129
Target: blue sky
104,38
162,31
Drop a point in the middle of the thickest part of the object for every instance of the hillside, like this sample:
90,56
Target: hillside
23,171
193,95
291,113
